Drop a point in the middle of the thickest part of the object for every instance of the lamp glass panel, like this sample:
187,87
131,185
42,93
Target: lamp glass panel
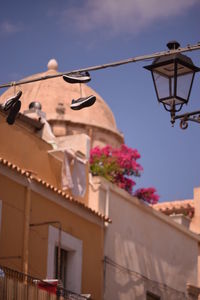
162,85
183,85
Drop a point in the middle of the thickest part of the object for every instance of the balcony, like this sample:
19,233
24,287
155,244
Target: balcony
15,285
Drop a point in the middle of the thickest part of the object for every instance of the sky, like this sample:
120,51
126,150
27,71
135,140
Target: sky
83,33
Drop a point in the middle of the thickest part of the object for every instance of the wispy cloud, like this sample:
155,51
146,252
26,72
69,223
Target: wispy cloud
122,15
7,27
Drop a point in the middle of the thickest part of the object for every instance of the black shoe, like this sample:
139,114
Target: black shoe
11,101
83,102
13,112
82,77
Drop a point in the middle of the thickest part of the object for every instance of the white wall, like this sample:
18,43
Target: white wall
145,244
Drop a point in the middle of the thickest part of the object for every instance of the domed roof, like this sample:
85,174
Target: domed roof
55,92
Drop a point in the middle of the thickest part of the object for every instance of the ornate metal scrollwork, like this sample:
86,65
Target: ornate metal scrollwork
185,118
183,124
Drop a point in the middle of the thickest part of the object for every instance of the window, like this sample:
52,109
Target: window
151,296
71,259
63,265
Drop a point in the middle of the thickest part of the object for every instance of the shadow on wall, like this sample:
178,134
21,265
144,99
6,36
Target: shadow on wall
124,279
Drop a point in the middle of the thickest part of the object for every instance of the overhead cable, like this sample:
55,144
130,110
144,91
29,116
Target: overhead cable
162,286
108,65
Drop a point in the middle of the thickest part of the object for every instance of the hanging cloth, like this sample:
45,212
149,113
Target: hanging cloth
66,178
79,178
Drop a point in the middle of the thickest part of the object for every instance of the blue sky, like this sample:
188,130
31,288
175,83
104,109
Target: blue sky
82,33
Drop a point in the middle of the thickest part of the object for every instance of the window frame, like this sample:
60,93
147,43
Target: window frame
64,257
74,266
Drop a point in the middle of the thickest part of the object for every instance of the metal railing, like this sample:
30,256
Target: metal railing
15,285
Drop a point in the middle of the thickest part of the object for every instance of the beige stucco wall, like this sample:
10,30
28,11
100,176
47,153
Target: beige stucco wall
21,145
195,223
99,136
80,224
145,243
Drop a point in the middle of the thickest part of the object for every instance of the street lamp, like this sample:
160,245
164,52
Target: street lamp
173,77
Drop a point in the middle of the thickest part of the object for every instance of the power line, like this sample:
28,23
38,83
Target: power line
108,65
121,268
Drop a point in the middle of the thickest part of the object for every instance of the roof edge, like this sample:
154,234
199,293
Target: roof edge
23,118
51,187
147,208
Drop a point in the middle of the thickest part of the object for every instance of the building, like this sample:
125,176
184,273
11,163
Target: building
147,254
142,254
37,217
186,212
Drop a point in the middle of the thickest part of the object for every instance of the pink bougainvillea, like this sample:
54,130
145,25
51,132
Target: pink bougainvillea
147,194
117,165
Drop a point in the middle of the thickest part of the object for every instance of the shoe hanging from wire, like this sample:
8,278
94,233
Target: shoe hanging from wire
82,102
12,105
81,77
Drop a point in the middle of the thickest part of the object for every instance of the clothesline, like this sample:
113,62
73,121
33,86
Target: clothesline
108,65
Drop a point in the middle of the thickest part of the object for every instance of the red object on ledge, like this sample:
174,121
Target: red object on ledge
49,285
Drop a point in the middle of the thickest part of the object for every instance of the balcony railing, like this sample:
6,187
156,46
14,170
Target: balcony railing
15,285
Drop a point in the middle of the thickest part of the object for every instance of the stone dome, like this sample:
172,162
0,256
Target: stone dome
55,96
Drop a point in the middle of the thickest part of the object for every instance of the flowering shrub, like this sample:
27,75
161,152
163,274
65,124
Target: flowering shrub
117,165
147,194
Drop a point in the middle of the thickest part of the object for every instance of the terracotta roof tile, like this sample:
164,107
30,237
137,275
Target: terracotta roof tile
28,174
176,207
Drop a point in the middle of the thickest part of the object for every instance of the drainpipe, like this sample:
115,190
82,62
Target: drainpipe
107,204
59,250
27,210
105,239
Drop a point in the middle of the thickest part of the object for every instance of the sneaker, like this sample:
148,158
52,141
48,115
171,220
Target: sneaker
11,101
81,77
83,102
13,112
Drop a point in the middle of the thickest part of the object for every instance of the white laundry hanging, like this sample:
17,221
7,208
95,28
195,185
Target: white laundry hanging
66,178
79,178
76,181
47,133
